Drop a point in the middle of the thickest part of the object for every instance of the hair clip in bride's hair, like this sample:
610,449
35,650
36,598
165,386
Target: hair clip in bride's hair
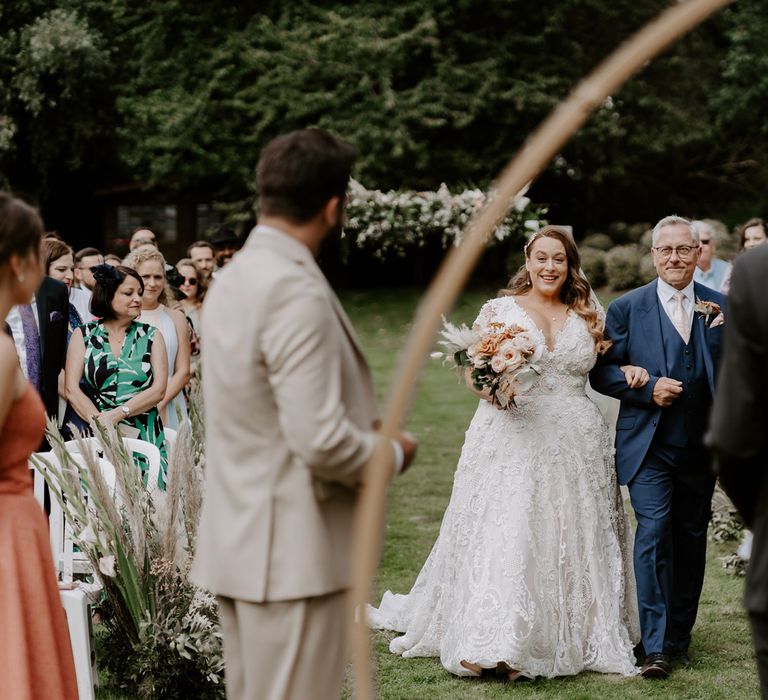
533,237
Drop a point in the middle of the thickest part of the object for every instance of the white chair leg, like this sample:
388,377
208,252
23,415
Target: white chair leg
76,608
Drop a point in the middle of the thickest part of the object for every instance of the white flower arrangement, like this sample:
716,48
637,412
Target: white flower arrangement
395,221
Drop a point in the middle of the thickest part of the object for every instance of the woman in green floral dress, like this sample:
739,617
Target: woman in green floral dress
122,362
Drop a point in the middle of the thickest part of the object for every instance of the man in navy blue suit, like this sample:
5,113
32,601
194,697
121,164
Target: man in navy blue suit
672,328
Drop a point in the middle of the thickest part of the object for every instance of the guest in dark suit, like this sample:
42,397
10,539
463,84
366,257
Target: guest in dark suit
659,435
738,435
40,334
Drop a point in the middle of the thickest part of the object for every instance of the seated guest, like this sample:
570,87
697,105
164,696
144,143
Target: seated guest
58,263
85,259
122,360
710,271
203,257
149,263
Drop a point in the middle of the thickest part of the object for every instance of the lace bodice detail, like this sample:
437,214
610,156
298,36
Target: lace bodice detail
565,367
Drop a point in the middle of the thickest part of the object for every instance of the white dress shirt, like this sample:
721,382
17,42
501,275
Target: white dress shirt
81,300
666,294
17,331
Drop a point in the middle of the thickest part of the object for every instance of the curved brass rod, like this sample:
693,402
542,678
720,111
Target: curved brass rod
556,130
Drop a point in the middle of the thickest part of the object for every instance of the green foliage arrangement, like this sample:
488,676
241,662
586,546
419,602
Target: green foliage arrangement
162,635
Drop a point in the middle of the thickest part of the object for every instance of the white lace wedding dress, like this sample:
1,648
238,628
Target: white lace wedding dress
533,563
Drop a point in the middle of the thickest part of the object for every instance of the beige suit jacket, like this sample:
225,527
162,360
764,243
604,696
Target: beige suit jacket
289,406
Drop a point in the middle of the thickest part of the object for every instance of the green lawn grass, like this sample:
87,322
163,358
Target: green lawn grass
721,650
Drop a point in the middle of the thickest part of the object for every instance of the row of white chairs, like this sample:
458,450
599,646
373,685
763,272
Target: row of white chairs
69,561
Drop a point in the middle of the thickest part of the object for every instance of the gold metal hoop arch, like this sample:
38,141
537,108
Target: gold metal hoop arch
545,143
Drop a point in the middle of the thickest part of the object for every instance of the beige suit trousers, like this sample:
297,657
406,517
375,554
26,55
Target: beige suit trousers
287,650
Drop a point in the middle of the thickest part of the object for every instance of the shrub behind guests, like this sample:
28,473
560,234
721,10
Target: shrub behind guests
593,264
623,267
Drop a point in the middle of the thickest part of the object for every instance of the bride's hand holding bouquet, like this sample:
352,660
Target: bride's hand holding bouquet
499,361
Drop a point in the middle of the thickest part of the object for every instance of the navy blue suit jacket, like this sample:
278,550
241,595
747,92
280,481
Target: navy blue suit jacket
634,325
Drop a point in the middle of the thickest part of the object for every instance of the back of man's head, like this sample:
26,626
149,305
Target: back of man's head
299,172
86,253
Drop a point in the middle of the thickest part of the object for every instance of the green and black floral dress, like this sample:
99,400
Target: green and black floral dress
113,381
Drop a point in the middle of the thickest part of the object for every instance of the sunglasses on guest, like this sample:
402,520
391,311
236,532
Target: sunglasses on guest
191,281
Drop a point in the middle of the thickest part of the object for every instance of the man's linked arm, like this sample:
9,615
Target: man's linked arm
607,377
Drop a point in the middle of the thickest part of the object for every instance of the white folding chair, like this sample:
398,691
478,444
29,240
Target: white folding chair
170,439
132,445
74,600
152,455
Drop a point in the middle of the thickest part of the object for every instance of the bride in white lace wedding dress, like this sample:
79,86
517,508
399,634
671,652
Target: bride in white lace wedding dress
531,573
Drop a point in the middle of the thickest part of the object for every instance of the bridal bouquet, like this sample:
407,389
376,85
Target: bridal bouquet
503,358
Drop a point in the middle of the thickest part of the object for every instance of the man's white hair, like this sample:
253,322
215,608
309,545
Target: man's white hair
704,227
674,220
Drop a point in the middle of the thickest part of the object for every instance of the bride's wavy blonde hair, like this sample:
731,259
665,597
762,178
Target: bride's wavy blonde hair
576,293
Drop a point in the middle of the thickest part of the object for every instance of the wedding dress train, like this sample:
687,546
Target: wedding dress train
533,563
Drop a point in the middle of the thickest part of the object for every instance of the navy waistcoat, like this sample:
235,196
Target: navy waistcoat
685,421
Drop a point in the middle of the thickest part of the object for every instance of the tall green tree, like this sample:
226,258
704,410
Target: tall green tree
184,95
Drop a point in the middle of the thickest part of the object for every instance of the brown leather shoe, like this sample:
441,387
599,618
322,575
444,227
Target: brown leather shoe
656,666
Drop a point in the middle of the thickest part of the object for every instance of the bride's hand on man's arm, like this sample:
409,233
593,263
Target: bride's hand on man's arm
636,377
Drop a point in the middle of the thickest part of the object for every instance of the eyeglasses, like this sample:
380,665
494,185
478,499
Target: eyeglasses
191,281
705,241
684,252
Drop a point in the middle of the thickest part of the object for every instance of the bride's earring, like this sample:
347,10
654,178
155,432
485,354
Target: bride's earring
21,279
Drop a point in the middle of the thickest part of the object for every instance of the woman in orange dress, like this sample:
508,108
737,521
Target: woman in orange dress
35,651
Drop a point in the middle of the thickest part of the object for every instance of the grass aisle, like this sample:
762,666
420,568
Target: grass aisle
722,654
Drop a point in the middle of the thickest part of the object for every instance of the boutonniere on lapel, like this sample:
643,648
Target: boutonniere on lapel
710,312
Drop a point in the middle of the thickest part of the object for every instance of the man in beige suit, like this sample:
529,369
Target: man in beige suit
290,413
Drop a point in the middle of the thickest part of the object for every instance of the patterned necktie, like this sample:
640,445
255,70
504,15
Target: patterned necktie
680,317
32,344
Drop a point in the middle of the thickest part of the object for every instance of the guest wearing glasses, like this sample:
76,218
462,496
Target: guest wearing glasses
710,271
85,259
194,287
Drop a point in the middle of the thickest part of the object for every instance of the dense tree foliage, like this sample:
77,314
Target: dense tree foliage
183,94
